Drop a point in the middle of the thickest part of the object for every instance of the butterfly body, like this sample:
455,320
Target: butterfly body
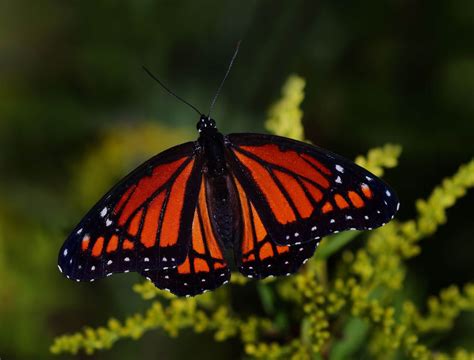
265,199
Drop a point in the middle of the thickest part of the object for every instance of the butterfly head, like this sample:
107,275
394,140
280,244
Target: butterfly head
205,123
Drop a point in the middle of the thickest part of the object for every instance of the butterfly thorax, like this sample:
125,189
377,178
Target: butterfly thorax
221,195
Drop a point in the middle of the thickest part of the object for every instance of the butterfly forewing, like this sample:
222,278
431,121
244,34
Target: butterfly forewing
142,223
302,192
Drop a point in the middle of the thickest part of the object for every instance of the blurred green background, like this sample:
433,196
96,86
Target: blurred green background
70,76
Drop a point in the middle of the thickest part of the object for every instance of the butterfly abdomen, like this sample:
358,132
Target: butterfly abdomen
223,208
221,195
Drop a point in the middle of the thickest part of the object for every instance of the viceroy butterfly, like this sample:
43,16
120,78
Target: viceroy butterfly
267,198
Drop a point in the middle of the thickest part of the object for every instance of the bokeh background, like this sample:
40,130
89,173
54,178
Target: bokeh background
72,90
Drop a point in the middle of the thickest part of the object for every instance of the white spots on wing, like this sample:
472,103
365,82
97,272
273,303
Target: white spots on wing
224,274
286,262
332,221
339,180
148,278
167,277
287,274
335,232
369,228
173,259
70,261
146,259
65,252
339,168
287,237
79,231
298,243
127,259
185,284
109,262
109,274
314,228
352,229
398,206
225,282
60,270
165,268
92,268
269,265
366,217
250,276
378,211
369,178
108,222
348,217
146,269
250,267
296,234
301,249
164,259
388,193
203,280
78,280
79,267
364,187
126,271
103,212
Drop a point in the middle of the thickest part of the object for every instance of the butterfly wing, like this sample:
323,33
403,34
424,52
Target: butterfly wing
258,256
204,267
144,222
302,192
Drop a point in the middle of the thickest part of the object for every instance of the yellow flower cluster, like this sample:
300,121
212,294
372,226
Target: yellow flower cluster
357,309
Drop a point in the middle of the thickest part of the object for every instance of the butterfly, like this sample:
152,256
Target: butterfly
268,200
257,202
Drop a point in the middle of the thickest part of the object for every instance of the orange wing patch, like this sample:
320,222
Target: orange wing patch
355,199
255,242
138,194
272,154
150,225
327,207
277,201
112,244
98,246
366,191
85,242
205,253
297,194
172,217
135,223
340,201
127,245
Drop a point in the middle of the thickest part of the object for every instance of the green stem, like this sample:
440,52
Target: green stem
334,243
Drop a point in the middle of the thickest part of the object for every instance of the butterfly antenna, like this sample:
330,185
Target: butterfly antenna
225,77
169,91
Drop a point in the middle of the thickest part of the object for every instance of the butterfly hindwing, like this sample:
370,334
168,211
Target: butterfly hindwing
142,223
258,256
303,192
204,267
